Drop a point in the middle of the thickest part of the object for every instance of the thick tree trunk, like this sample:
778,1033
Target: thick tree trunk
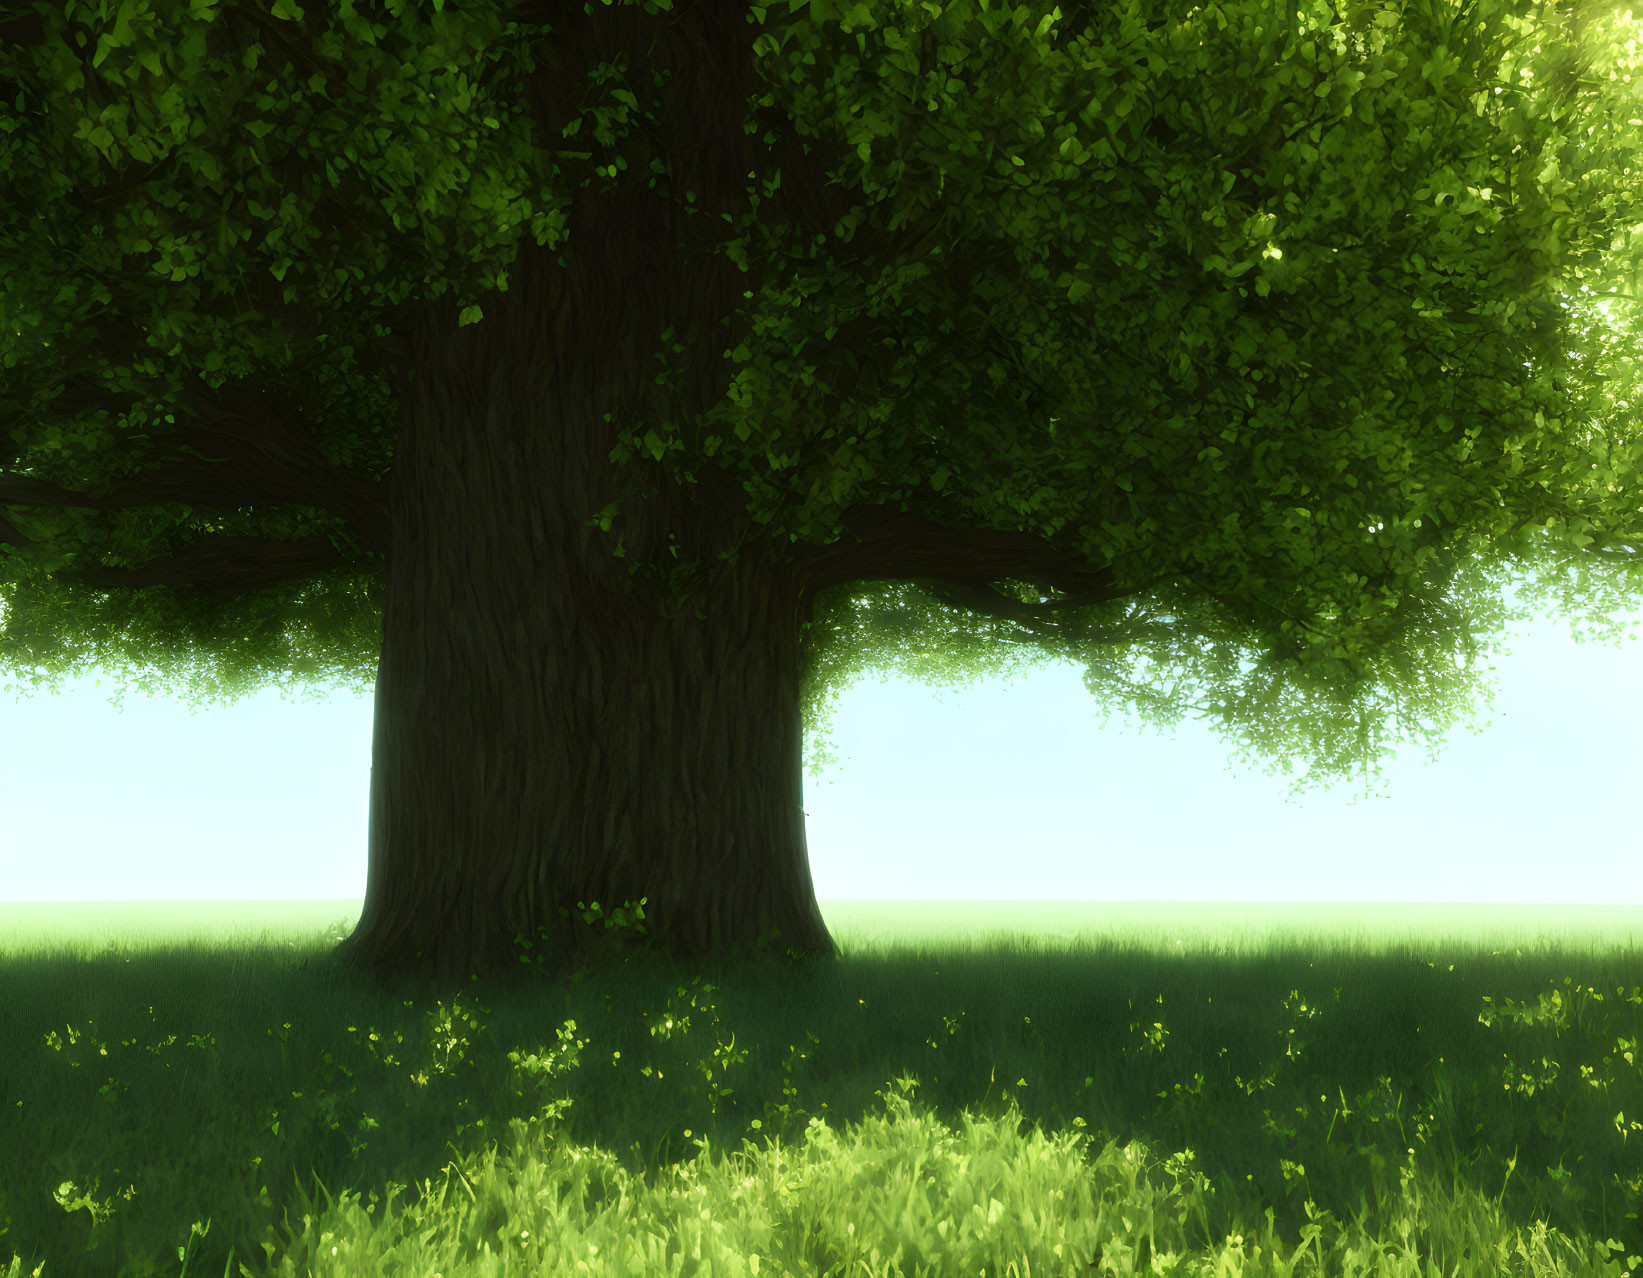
608,761
544,736
545,733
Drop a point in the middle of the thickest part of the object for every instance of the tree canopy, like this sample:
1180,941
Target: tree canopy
1185,334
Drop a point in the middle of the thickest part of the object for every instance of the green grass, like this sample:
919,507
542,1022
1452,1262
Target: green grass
1002,1110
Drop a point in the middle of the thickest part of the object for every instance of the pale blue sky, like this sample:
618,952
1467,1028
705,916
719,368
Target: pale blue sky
990,794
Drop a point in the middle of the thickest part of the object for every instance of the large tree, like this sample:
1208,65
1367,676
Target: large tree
611,384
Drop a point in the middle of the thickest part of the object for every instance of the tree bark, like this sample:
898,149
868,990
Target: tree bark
550,731
546,734
577,760
543,738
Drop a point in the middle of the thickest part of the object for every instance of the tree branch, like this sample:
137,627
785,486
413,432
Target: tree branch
961,565
220,563
249,448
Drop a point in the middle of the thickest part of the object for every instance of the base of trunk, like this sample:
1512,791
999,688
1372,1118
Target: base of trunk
584,944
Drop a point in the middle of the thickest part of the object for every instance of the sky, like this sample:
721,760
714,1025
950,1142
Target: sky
267,799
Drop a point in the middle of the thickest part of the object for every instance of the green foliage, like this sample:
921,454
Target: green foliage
1280,320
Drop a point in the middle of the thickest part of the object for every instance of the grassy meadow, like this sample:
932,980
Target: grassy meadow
1013,1109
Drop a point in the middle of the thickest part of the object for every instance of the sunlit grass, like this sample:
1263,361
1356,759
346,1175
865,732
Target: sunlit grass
1006,1110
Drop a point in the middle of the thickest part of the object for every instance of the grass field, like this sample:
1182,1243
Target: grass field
1005,1110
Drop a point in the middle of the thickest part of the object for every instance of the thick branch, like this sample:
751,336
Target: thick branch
961,565
219,563
245,447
